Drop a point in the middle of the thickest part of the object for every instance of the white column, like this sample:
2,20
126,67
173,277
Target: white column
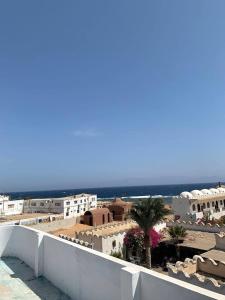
130,283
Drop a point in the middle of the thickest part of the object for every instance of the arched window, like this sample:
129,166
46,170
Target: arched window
203,206
193,207
114,244
208,205
103,219
213,204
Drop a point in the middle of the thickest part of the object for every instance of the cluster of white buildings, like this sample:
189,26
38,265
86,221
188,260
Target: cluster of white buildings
196,204
71,206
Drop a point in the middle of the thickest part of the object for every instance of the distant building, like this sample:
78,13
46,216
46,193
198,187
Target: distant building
8,207
71,206
194,205
119,209
97,217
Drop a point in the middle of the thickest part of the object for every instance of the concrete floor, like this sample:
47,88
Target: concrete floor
17,282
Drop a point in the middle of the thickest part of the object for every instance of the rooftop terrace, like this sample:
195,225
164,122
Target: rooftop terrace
17,281
61,266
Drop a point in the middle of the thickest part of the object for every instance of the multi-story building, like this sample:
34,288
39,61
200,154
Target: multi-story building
195,204
71,206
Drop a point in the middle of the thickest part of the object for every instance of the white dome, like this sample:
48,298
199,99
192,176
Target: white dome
196,193
221,190
186,195
206,192
214,191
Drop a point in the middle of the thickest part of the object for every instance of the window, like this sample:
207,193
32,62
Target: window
42,204
213,204
221,202
10,205
114,244
193,207
57,204
33,204
75,202
81,201
203,206
68,203
208,205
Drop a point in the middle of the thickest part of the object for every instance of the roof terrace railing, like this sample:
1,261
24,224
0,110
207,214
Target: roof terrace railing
84,274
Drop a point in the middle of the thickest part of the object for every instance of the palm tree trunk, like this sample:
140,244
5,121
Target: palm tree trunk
147,251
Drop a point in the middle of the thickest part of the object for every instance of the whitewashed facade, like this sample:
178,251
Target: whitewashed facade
71,206
8,207
195,204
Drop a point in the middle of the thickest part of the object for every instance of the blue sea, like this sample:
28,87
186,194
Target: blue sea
131,192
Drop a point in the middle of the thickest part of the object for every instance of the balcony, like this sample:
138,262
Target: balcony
53,266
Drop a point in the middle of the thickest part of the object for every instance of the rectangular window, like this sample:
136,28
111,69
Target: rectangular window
221,202
33,204
41,204
57,204
10,205
68,203
75,202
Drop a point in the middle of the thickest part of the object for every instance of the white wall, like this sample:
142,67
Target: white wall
86,274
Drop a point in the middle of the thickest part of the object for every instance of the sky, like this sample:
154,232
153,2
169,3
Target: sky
111,93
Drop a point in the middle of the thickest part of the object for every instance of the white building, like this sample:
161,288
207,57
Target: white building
82,273
8,207
71,206
195,204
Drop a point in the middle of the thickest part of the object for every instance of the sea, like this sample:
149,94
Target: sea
126,192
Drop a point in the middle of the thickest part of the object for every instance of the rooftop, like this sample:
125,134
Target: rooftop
111,228
199,240
214,254
79,272
17,281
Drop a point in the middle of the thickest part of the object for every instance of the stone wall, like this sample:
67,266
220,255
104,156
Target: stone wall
197,226
188,271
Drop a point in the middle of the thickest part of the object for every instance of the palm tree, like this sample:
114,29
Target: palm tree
146,213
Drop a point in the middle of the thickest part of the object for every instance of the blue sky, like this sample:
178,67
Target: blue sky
102,93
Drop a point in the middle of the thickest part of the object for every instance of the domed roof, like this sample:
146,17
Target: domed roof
214,191
97,211
186,195
221,190
196,193
206,192
119,201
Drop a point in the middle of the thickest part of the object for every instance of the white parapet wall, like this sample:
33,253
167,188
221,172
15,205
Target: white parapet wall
197,226
86,274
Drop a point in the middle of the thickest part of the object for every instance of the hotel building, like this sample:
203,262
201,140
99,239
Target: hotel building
197,203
